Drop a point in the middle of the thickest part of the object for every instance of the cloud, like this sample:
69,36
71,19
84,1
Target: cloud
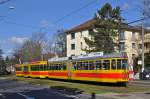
44,24
2,42
125,6
18,40
8,52
47,24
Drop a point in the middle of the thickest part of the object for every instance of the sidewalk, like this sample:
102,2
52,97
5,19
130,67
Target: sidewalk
138,95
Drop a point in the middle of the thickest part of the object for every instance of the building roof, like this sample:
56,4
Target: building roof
82,26
86,25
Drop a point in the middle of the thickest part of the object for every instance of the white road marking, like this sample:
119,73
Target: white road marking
27,97
1,94
69,96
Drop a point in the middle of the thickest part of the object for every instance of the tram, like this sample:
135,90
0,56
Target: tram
110,68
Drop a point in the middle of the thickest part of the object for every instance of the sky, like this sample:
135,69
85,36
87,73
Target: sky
31,16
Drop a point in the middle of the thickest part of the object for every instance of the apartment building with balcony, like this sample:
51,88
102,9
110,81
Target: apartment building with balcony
147,42
128,39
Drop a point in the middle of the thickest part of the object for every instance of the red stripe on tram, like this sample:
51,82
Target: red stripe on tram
39,73
99,75
58,74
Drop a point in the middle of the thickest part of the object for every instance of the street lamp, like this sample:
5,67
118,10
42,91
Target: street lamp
11,7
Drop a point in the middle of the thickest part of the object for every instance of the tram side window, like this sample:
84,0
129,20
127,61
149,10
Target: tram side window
85,65
56,66
113,64
37,68
25,68
98,65
81,66
78,65
64,66
32,69
18,68
49,67
41,67
106,65
119,64
124,64
59,67
52,67
45,67
91,65
74,65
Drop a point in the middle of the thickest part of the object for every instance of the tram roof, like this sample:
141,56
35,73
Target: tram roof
89,56
113,55
58,59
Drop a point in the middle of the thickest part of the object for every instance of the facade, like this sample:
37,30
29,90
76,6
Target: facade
129,40
147,42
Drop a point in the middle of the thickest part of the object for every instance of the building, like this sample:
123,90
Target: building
147,42
129,40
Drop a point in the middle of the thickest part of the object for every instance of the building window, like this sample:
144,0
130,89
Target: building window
72,35
133,35
133,56
147,45
72,46
133,45
140,46
81,34
90,32
122,45
121,35
81,45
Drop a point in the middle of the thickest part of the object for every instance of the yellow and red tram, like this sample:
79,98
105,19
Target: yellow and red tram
19,70
105,68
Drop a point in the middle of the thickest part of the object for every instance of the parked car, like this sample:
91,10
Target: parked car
145,75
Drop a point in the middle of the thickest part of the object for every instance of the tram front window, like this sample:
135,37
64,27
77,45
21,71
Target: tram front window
122,64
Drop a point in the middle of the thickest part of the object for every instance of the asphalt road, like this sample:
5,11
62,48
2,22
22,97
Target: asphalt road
11,89
145,83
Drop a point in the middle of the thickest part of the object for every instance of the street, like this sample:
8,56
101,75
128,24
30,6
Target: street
14,89
11,89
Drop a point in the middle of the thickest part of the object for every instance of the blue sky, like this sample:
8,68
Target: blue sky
29,16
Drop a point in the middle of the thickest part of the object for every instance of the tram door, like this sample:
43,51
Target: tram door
69,67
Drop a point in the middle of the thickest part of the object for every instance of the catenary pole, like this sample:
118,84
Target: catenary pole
143,39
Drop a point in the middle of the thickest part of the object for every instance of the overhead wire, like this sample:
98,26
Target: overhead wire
65,16
57,21
76,10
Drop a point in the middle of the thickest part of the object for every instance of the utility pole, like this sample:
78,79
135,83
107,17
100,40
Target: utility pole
142,45
143,38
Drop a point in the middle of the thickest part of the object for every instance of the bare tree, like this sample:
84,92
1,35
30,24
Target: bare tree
145,8
48,51
32,48
60,43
